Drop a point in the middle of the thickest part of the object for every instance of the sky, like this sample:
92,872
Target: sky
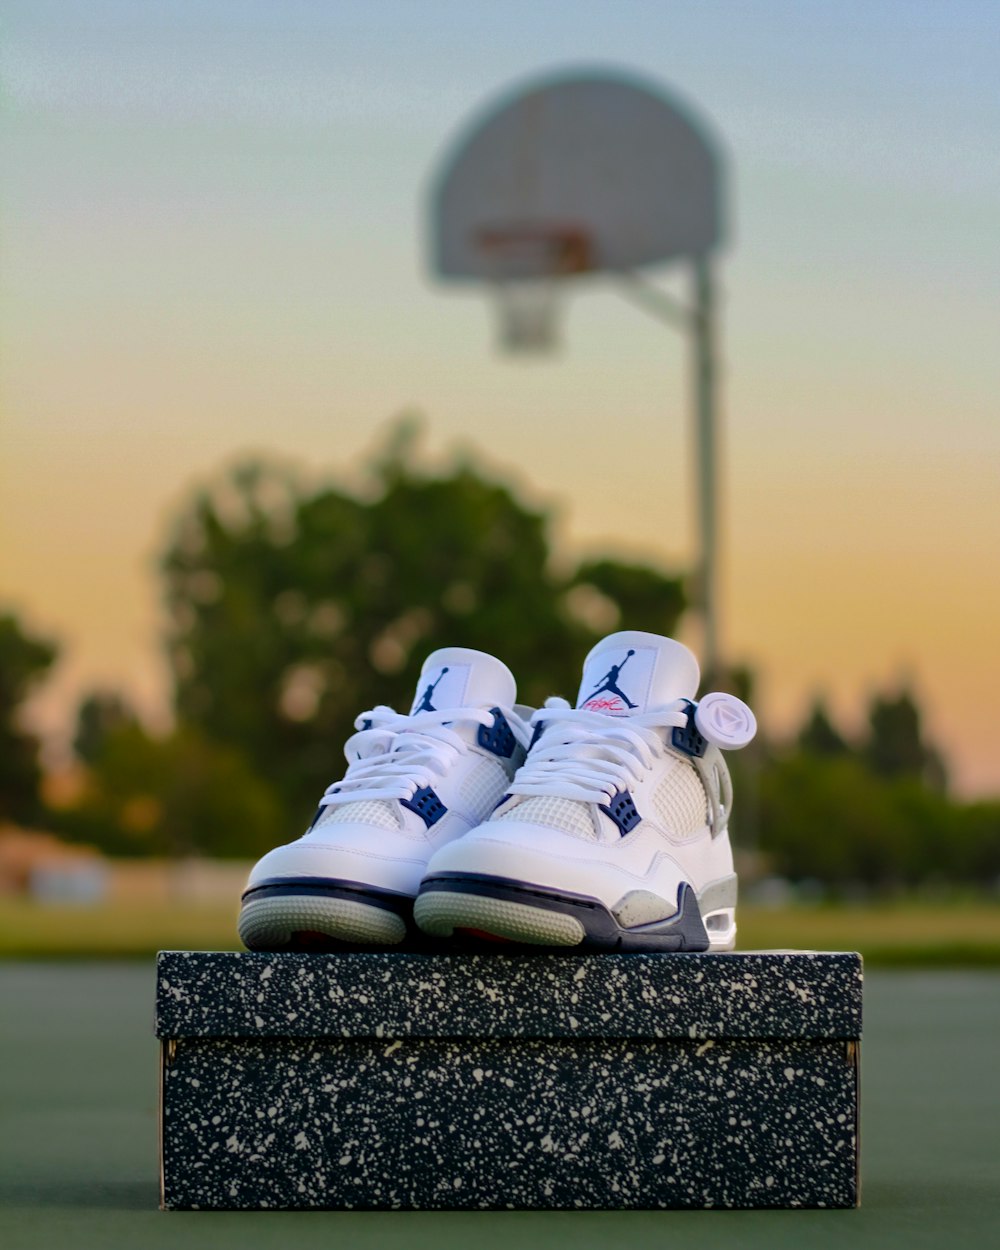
213,234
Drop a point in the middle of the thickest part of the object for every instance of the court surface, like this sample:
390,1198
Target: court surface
78,1136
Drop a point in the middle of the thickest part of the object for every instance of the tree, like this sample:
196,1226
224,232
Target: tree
177,795
872,811
24,661
895,746
819,735
831,820
100,715
291,611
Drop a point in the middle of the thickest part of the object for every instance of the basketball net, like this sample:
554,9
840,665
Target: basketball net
526,266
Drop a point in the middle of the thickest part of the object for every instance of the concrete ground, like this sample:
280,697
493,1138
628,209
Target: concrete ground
78,1087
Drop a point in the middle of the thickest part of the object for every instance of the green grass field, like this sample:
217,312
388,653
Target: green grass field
913,934
78,1088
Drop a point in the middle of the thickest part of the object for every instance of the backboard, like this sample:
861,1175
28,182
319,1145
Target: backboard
579,173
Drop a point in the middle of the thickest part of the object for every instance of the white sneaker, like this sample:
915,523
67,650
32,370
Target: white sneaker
614,834
413,784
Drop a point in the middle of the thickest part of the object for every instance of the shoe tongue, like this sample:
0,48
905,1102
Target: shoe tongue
461,677
631,672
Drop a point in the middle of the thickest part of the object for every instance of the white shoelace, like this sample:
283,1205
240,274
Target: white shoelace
396,755
588,756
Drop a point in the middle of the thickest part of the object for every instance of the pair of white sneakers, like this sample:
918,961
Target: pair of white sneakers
602,826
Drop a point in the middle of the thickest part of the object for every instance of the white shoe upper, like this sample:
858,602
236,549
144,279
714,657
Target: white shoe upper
414,782
620,796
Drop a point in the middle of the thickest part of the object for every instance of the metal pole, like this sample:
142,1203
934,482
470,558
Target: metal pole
705,441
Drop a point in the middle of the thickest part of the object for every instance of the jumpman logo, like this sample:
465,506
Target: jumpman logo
425,703
609,683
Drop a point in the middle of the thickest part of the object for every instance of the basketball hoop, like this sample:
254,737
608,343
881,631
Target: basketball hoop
594,172
524,265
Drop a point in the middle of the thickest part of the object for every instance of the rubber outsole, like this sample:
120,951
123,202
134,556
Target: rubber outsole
517,912
303,913
443,914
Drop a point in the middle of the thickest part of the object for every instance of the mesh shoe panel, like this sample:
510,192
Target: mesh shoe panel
569,815
383,813
482,788
680,802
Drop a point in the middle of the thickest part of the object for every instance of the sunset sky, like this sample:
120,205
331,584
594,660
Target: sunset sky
212,242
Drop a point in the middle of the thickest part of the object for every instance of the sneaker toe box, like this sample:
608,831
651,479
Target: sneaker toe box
363,856
536,855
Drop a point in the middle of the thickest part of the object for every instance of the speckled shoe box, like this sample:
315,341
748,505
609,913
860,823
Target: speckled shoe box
412,1081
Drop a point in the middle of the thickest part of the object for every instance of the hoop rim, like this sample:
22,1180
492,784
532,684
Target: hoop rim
533,251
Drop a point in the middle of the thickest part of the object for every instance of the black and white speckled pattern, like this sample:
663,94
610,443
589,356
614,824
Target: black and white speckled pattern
425,1082
752,994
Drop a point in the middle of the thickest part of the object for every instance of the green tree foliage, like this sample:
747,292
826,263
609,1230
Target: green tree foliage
819,735
178,795
100,715
637,594
895,746
872,811
832,820
292,611
24,662
975,853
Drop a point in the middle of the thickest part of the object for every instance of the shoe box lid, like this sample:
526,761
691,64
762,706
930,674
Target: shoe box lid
397,995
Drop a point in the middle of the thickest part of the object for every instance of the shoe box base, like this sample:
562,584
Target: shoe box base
413,1081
